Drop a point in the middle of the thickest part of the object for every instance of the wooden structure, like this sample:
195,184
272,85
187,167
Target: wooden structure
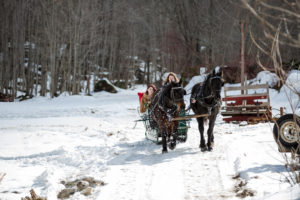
188,117
249,103
2,174
34,196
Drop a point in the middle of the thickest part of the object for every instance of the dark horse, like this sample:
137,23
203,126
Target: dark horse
166,104
206,98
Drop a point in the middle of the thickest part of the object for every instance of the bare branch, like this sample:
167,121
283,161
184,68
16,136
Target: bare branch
280,9
253,11
257,45
2,174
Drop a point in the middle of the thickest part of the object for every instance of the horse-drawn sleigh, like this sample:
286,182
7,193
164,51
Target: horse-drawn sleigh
167,121
153,133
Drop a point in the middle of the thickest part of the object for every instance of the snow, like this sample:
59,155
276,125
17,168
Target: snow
289,93
44,141
291,194
202,70
266,77
217,69
62,49
193,81
293,81
110,83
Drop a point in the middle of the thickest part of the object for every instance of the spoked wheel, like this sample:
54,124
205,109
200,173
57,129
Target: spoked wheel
287,132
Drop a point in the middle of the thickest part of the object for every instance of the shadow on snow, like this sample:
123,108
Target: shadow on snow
147,153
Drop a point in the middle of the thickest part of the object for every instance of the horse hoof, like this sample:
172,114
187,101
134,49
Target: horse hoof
164,151
172,145
209,148
202,146
203,149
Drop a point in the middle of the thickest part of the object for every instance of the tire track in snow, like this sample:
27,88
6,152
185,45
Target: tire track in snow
150,178
142,172
205,173
203,178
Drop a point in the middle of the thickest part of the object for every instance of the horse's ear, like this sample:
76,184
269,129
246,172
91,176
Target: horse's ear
218,71
180,81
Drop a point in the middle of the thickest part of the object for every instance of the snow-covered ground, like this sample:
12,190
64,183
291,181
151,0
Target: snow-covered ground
45,141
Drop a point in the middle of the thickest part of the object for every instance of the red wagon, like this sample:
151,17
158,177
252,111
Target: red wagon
249,103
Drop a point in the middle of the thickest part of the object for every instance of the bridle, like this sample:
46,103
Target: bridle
173,89
170,100
213,94
201,98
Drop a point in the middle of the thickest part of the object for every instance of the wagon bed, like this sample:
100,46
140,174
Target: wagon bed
251,105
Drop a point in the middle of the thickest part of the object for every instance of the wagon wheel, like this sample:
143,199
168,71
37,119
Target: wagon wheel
286,132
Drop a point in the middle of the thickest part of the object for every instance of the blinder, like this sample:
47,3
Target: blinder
216,77
173,96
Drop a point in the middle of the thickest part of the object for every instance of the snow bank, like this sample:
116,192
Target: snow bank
265,77
293,81
290,194
289,93
110,83
194,81
44,141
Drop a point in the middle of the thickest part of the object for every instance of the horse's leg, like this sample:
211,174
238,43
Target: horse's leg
164,140
174,129
210,134
202,145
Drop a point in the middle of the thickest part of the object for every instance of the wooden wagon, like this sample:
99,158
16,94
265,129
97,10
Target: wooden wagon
249,103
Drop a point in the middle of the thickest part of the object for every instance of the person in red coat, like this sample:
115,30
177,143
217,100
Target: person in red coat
146,98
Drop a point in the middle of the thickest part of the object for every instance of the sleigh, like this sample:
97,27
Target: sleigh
153,134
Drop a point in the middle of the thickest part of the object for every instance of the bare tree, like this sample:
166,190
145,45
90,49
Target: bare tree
52,47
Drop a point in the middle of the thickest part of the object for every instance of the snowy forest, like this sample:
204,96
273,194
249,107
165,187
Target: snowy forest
72,44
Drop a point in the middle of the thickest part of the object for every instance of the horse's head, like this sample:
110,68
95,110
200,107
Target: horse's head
216,82
177,94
